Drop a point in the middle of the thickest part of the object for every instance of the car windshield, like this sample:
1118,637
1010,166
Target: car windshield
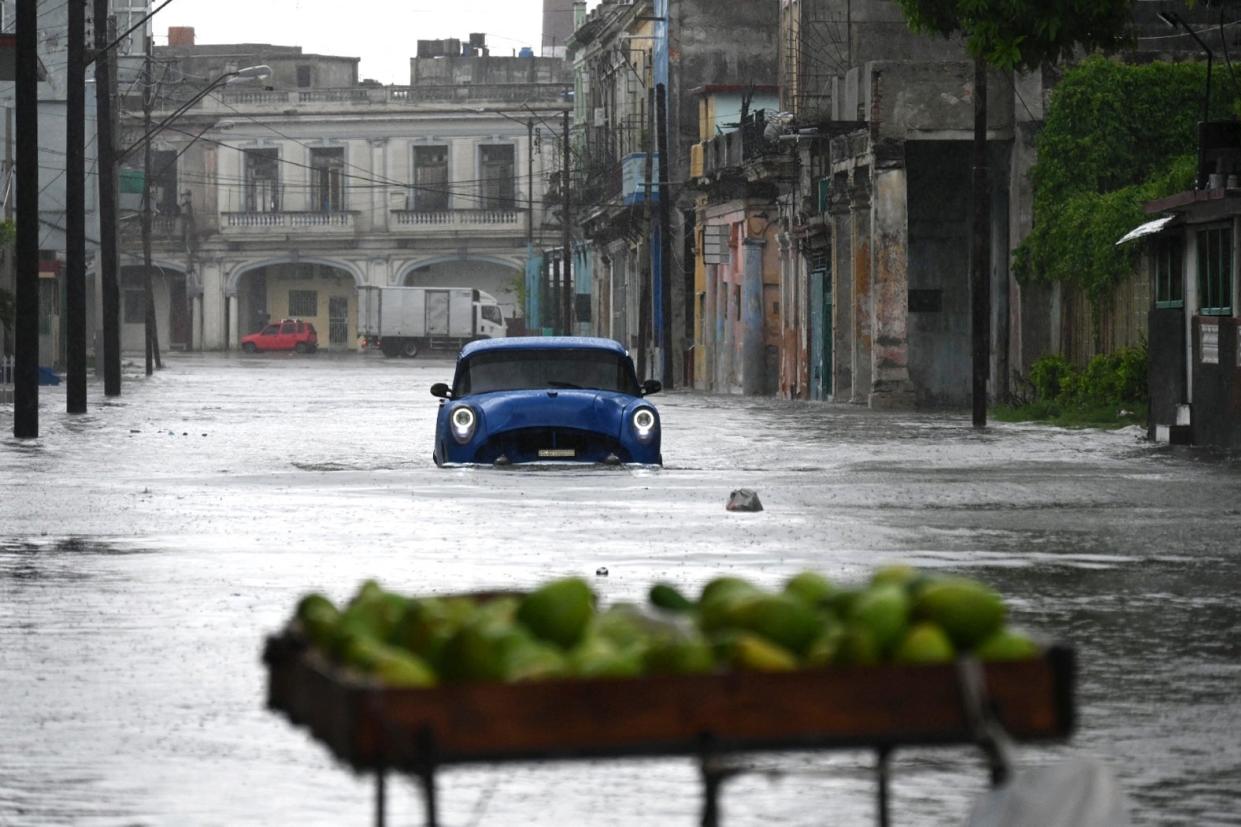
527,369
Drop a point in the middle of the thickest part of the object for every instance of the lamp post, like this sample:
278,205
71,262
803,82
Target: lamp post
529,124
1174,20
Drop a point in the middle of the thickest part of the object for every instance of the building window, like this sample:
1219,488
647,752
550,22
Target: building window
430,178
327,189
1215,271
1169,265
496,164
303,303
262,192
303,77
135,306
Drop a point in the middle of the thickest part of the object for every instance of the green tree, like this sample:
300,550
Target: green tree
1116,137
1009,35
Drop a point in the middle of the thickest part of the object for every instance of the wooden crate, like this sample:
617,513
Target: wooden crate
373,728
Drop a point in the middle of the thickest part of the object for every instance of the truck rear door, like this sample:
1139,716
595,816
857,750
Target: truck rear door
437,312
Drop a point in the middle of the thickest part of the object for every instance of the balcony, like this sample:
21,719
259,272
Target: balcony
336,223
728,153
164,228
447,221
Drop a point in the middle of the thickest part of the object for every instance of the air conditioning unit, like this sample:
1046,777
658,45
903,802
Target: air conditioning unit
601,116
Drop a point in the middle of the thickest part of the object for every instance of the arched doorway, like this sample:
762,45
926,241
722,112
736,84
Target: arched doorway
169,289
324,293
503,279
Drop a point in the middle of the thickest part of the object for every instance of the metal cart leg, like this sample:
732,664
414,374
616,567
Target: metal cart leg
381,804
712,780
882,773
426,775
715,771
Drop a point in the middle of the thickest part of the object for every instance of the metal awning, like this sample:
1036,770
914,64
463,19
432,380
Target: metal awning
1149,228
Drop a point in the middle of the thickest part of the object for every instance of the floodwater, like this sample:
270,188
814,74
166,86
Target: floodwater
148,547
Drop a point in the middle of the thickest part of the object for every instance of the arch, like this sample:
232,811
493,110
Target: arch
515,262
234,278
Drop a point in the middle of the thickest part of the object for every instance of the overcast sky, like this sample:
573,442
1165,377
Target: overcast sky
383,33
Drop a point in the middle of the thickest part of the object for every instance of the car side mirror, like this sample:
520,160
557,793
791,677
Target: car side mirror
651,386
441,390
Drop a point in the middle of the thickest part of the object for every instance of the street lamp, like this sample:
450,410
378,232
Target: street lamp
238,76
565,300
1174,20
249,73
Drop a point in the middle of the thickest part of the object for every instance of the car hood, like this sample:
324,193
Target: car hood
588,410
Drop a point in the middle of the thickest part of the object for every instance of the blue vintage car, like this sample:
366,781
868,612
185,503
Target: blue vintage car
546,399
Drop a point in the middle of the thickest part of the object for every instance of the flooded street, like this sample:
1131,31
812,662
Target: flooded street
149,546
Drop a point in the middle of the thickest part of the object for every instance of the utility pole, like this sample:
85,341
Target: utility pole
529,185
8,276
152,332
75,210
648,273
980,292
567,267
106,268
26,323
665,237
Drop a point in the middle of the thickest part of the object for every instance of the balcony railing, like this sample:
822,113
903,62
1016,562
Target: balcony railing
732,150
381,96
163,227
441,220
341,222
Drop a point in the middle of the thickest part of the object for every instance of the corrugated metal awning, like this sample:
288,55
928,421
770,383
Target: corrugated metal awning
1149,228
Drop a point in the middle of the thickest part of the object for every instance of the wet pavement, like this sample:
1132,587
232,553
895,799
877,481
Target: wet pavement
148,546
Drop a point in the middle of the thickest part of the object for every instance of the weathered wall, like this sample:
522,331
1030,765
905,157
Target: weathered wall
452,70
713,42
210,61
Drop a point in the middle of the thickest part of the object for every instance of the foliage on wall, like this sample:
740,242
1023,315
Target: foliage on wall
1116,136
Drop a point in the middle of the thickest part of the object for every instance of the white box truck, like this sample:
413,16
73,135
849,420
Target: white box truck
402,321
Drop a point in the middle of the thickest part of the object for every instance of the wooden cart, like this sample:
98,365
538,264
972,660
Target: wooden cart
416,731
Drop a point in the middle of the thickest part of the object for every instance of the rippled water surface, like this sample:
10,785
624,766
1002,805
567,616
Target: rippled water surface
147,547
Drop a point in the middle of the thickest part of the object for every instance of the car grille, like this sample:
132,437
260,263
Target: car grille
524,445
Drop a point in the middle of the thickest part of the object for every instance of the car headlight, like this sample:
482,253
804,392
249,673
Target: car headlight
463,421
644,423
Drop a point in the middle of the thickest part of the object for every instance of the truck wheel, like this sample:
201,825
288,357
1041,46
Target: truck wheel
249,347
391,349
409,349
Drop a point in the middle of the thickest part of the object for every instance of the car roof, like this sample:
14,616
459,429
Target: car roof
543,343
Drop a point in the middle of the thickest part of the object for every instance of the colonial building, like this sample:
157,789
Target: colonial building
281,198
636,66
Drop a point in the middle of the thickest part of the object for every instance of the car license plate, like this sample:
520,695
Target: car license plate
557,452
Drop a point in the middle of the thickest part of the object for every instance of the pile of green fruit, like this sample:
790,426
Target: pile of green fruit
902,615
